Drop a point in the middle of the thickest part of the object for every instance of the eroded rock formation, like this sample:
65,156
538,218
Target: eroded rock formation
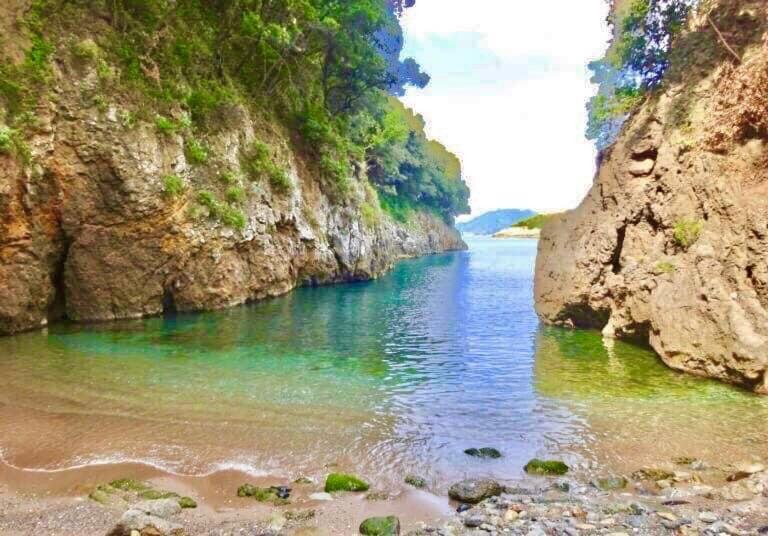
670,246
87,229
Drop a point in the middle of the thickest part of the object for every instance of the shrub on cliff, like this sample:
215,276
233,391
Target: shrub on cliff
635,62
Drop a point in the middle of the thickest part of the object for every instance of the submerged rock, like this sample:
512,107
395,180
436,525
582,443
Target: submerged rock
416,481
344,482
474,491
274,494
610,483
380,526
546,467
485,452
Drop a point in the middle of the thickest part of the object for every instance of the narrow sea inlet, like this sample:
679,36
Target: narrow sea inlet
386,378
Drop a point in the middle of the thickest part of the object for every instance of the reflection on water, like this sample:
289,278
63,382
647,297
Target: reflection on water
384,378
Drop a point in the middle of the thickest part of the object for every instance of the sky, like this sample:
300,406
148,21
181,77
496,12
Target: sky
508,94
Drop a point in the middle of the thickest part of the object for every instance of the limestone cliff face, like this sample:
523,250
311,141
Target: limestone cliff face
87,231
670,246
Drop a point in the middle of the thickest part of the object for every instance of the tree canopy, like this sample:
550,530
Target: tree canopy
635,62
326,67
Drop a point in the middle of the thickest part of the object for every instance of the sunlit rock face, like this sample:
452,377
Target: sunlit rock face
670,245
88,231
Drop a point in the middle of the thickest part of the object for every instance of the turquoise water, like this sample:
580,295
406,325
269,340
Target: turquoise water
384,378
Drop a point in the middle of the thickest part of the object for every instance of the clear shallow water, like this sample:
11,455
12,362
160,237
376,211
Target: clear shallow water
383,378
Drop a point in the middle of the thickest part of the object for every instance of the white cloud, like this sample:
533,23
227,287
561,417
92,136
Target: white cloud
571,30
521,141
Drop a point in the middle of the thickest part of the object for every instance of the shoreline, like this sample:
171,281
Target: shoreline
684,498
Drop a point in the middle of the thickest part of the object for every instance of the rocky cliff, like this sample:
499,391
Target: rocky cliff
670,246
107,215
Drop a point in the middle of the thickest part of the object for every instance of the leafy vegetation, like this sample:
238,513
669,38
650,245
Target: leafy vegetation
325,69
534,222
196,151
173,186
687,232
635,63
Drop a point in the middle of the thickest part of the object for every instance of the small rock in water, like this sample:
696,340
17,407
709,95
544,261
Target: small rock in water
344,482
463,507
304,481
380,526
610,483
322,496
164,508
300,516
416,481
474,491
546,467
378,496
273,494
187,502
485,452
282,491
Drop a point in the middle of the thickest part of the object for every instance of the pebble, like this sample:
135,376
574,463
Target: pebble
322,496
667,516
707,517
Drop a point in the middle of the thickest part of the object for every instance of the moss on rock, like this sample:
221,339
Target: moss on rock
416,481
129,484
344,482
187,502
546,467
261,494
485,452
380,526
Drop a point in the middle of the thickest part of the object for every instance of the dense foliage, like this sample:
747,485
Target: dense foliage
323,67
635,63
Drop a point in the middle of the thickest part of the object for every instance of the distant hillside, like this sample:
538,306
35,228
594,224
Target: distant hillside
535,222
493,222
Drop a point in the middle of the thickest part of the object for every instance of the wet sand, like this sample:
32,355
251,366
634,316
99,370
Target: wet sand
35,502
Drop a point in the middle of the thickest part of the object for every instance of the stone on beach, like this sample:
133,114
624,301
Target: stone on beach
546,467
344,482
474,491
380,526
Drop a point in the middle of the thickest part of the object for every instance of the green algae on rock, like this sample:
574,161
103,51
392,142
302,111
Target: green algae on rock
187,502
261,494
416,481
610,483
485,452
546,467
344,482
380,526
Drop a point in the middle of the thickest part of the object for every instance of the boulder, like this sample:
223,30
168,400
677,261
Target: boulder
474,491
